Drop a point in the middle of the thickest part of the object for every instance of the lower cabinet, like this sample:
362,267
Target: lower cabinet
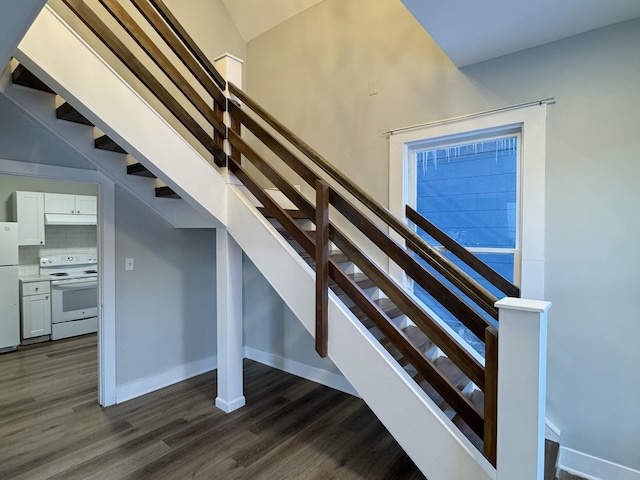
35,309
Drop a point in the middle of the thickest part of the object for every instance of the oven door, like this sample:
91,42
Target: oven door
74,299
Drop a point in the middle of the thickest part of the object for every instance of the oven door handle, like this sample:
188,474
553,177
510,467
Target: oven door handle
74,283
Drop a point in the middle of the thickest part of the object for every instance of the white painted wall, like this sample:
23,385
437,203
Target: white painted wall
313,73
165,307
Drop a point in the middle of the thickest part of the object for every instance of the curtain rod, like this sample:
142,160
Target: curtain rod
545,101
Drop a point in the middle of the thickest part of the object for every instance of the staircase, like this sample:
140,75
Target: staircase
426,389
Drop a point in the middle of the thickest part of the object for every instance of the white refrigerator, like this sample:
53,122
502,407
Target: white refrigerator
9,312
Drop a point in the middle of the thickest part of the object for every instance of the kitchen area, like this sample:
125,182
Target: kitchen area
48,260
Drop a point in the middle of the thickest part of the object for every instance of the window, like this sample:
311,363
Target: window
481,180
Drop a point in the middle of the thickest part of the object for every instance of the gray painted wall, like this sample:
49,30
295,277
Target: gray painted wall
271,327
166,306
313,73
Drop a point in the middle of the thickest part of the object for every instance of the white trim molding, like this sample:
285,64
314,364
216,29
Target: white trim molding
177,374
594,468
106,249
531,122
302,370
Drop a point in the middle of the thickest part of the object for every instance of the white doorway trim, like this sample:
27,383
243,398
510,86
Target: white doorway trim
106,260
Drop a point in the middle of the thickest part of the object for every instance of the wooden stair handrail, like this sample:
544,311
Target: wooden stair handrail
121,51
186,39
205,73
127,22
429,254
475,322
488,273
425,367
177,39
465,361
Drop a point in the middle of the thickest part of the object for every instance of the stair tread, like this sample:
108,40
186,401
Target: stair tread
292,213
360,279
287,236
429,390
166,192
24,77
106,143
140,170
336,255
418,338
386,305
452,372
70,114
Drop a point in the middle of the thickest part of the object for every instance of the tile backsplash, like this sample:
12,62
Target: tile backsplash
59,239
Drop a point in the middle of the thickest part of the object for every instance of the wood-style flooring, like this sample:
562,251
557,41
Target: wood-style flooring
51,426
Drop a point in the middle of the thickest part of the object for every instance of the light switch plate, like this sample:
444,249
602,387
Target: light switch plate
128,263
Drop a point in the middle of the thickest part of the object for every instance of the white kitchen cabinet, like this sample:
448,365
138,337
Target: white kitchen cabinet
65,203
35,309
87,204
28,209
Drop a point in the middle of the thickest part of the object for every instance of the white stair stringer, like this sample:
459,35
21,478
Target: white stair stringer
437,447
60,58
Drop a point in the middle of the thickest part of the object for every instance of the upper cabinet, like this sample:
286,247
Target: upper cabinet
28,209
70,204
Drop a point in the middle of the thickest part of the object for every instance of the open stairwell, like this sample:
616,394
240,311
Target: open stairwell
139,150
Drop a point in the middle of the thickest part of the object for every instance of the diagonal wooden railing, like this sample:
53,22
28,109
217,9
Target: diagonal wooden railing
197,67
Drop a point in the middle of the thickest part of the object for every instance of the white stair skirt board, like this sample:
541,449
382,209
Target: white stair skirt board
156,382
437,447
74,328
594,468
302,370
51,49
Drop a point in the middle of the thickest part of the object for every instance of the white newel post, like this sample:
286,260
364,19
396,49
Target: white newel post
229,283
229,312
522,380
230,68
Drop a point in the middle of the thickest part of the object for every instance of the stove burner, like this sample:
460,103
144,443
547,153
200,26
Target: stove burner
90,271
61,274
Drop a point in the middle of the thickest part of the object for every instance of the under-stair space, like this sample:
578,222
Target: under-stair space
180,214
22,76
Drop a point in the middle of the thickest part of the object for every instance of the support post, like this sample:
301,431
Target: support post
322,267
522,357
491,393
229,316
230,68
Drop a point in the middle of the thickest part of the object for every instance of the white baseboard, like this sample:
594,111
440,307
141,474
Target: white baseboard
594,468
232,406
317,375
177,374
551,431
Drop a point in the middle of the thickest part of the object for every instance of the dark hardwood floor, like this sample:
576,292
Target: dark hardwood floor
51,426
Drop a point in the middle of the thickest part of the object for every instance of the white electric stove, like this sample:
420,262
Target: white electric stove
74,293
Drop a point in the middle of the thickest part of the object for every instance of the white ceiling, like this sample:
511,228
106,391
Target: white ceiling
469,31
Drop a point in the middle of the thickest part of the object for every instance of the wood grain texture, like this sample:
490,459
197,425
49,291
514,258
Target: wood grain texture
53,428
148,79
497,280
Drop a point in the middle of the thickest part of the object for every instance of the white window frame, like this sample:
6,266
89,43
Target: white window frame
530,121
